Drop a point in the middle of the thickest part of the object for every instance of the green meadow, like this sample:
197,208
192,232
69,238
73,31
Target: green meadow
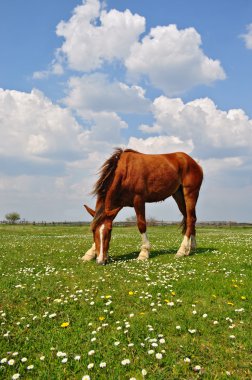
164,318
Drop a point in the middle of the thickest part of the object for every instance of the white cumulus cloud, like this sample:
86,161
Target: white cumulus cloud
201,121
173,60
160,144
93,36
105,131
32,126
48,161
216,167
248,37
95,92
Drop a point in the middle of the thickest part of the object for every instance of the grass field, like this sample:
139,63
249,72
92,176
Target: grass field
161,319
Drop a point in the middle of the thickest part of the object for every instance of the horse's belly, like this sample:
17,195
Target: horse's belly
159,190
154,187
158,196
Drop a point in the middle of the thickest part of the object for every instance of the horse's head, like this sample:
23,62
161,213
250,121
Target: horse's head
102,233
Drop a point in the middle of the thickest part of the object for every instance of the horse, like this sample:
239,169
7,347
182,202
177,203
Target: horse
130,179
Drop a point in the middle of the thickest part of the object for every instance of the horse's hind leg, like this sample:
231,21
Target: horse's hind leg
189,241
141,223
180,200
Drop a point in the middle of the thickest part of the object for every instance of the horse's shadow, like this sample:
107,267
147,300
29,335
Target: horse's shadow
160,252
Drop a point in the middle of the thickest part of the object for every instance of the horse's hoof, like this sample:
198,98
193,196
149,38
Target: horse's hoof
88,257
180,254
142,257
101,262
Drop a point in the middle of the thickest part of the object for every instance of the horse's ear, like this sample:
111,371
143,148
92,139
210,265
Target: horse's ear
113,213
90,211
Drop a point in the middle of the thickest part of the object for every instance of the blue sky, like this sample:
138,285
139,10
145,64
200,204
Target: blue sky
78,78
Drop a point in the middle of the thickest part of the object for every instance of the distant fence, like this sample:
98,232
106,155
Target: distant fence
117,224
43,223
132,223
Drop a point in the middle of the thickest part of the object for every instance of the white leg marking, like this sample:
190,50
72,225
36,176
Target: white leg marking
187,245
145,248
90,254
100,258
184,248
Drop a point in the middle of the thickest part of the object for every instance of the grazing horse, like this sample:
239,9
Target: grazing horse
130,178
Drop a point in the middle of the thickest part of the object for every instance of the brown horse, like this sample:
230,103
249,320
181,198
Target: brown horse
130,178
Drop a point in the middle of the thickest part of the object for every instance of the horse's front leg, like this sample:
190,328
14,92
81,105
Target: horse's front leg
187,246
139,206
145,248
90,254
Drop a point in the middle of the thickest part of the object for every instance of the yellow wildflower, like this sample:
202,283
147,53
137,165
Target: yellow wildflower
131,293
243,298
101,318
65,324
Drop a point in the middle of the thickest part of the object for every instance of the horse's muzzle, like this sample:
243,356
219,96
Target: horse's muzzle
102,262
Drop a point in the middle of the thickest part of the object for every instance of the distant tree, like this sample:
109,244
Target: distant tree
131,219
12,217
152,221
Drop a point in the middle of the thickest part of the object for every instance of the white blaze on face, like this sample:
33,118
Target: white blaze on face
101,243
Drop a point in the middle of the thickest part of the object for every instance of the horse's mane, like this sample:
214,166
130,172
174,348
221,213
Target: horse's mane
106,176
107,171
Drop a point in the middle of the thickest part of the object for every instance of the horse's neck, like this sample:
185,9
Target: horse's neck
105,203
100,203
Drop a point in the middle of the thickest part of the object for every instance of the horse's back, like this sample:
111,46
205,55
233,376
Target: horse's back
177,161
154,176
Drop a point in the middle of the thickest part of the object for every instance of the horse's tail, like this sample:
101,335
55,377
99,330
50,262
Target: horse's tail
180,200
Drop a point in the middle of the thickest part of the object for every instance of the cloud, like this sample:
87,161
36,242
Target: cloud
32,166
34,128
221,170
160,144
93,36
97,93
213,131
48,161
173,60
226,189
44,197
105,132
248,37
224,203
55,68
